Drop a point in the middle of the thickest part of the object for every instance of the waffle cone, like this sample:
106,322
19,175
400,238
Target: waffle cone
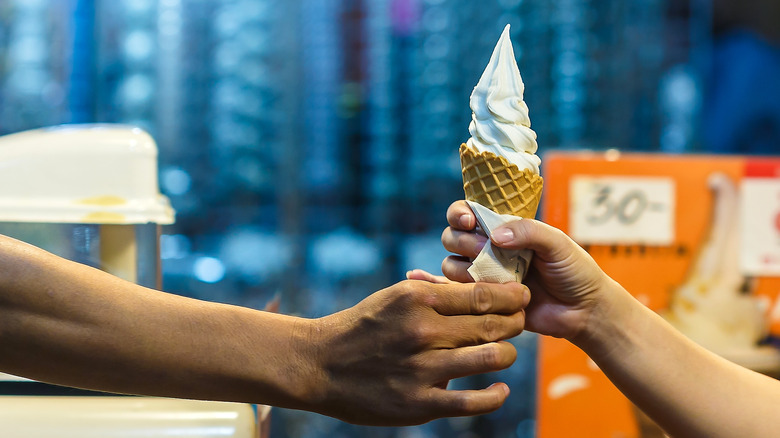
499,185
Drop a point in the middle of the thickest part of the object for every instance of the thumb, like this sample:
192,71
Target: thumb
547,242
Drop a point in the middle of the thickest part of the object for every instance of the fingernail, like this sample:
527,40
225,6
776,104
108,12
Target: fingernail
506,389
526,296
408,273
503,235
465,221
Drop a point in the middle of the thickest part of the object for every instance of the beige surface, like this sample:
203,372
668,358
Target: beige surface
109,417
10,378
119,251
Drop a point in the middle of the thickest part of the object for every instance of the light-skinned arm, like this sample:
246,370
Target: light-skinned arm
385,361
687,390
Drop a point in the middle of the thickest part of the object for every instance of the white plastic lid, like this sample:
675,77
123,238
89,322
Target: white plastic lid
104,174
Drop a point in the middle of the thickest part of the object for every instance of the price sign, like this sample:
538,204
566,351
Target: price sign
760,226
622,210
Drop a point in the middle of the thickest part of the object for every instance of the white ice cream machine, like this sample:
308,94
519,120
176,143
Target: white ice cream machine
90,193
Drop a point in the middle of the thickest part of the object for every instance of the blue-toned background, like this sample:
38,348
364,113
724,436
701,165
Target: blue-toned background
310,146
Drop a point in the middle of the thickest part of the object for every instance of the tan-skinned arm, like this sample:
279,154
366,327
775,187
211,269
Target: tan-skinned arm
385,361
687,390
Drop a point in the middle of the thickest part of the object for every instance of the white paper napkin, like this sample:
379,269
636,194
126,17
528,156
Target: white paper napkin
494,264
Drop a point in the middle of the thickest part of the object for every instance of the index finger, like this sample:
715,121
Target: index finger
480,298
460,216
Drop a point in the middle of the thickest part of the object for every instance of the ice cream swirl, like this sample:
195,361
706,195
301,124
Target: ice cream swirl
499,121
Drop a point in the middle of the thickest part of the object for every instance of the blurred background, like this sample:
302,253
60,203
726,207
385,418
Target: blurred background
309,147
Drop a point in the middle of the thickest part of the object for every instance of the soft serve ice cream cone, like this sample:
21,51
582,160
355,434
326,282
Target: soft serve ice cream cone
499,162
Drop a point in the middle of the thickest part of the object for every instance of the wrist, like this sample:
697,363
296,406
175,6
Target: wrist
307,381
281,366
612,309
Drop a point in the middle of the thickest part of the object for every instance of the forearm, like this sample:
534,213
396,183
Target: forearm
66,323
689,391
380,362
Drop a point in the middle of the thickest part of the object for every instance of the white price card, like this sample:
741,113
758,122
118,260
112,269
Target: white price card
760,226
618,210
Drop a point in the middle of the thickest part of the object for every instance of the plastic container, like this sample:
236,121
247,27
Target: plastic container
88,193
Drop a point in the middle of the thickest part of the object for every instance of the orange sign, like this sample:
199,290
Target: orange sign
615,225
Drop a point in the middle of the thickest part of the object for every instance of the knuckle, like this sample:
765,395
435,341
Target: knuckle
513,297
482,299
490,357
524,229
460,242
457,270
449,268
464,405
408,291
421,335
491,327
409,286
417,365
445,237
519,325
452,212
464,241
455,210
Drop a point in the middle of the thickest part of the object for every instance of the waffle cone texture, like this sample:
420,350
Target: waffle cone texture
499,185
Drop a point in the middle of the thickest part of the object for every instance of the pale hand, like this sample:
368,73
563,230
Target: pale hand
565,282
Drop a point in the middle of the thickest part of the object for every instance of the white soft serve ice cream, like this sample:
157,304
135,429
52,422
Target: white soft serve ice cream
500,122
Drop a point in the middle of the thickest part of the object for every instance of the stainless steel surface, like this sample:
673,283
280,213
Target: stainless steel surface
82,243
